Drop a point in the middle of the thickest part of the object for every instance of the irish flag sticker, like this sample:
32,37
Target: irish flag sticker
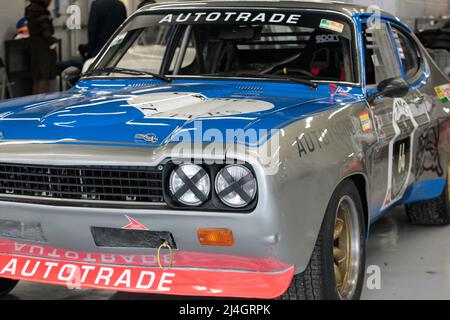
332,25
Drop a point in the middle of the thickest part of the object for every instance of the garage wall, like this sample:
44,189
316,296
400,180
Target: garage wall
10,12
407,9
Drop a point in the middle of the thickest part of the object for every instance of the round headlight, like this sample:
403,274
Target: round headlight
236,186
190,184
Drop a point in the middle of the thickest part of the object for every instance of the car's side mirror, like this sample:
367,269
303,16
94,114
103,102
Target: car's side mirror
391,88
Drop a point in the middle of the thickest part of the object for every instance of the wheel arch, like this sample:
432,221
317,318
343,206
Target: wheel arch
361,182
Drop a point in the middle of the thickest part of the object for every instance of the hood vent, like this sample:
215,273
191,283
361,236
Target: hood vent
144,83
250,89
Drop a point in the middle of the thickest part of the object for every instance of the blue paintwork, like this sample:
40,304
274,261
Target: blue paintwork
420,191
424,190
97,111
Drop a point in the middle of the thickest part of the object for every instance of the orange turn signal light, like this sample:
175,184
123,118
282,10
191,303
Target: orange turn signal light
215,237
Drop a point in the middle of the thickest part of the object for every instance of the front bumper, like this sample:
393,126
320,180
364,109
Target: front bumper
69,255
173,281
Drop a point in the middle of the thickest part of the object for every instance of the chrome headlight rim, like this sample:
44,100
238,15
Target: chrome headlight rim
251,197
202,197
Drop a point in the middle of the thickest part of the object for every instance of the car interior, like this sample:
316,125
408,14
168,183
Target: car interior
230,50
266,50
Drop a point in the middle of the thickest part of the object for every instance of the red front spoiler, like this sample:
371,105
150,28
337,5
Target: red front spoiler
173,281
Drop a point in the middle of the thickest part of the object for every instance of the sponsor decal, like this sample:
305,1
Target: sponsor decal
336,90
327,38
190,281
188,105
134,225
332,25
209,17
311,141
421,111
320,139
119,39
399,45
149,137
366,122
86,275
231,16
443,93
428,158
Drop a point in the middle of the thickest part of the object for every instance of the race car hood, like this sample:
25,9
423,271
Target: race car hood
151,114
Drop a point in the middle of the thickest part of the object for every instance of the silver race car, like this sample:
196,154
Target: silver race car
230,149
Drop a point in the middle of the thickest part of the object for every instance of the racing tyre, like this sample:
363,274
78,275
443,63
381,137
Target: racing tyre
6,286
434,212
336,268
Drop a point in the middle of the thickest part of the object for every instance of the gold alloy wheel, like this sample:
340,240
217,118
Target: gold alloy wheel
346,248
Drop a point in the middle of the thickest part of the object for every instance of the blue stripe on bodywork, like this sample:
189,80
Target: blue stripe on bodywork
424,190
420,191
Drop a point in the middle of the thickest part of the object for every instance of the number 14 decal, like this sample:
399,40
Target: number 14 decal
402,158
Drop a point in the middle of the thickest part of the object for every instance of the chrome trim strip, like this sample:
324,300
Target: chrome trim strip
82,203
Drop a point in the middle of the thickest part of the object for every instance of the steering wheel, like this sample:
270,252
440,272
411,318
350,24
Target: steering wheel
279,64
287,71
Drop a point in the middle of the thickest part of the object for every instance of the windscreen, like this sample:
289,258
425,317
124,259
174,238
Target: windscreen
312,45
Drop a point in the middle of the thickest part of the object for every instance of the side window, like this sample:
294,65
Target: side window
381,57
409,54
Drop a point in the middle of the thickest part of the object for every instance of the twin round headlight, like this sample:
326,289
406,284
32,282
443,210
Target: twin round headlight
235,185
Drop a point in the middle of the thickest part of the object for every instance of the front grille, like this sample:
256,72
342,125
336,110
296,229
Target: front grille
85,183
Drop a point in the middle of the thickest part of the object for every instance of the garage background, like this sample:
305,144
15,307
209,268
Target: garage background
12,11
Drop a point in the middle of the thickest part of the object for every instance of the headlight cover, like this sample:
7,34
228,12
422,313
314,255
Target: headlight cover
236,186
190,184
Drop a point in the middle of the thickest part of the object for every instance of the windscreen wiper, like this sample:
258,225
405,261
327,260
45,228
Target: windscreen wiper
304,81
127,71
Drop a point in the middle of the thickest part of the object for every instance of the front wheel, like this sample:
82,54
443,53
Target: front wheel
336,268
6,286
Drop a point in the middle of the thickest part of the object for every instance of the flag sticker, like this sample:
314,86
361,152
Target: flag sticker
443,93
366,123
332,25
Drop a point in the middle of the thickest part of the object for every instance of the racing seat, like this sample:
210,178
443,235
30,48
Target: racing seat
222,57
322,56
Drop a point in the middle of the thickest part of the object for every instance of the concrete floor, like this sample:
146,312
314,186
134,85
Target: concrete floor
414,264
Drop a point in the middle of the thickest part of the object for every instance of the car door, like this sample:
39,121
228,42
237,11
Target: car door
391,160
426,152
